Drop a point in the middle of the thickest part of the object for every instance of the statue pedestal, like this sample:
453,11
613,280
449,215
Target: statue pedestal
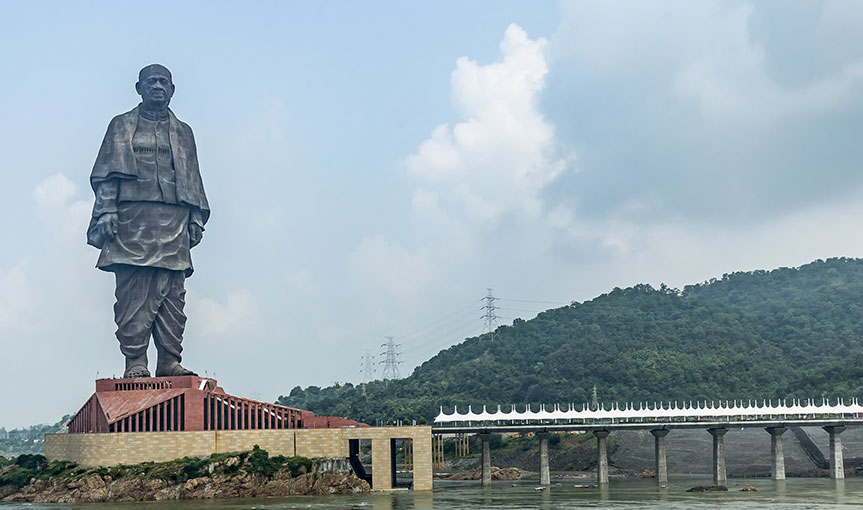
182,403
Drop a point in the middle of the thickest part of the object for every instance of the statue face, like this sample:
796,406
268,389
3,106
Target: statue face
155,90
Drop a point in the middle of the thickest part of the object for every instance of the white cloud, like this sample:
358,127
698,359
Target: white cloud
702,51
681,253
237,312
54,197
302,282
492,164
503,152
386,265
17,297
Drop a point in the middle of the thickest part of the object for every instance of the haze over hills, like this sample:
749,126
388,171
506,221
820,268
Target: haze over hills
762,334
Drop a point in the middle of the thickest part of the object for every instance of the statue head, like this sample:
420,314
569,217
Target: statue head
155,87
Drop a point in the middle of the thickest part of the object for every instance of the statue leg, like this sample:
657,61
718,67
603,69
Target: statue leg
169,325
134,312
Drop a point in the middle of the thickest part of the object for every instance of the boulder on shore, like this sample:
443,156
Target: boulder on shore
475,473
708,488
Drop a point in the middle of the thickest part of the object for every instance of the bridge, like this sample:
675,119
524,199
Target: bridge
660,418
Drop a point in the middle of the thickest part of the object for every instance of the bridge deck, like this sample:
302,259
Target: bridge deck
587,427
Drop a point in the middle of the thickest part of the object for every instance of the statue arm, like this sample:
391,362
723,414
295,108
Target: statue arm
197,218
196,227
105,212
106,198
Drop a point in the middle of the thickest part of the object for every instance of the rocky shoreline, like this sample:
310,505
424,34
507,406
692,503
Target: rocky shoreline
240,475
94,488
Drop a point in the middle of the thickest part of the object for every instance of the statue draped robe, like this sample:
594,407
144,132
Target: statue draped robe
147,173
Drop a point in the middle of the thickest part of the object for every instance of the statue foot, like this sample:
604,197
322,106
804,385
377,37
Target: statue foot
136,371
173,370
136,367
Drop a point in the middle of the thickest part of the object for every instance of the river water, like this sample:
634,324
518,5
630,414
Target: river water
796,493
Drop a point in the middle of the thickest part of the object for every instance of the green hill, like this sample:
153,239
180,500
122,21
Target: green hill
762,334
27,440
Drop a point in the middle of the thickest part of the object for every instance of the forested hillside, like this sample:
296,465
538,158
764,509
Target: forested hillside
762,334
27,440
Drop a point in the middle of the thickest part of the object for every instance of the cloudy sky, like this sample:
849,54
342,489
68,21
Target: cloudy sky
372,169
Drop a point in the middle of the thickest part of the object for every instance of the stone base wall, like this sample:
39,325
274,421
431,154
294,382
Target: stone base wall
110,449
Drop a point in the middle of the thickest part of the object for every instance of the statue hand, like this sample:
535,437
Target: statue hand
195,234
107,225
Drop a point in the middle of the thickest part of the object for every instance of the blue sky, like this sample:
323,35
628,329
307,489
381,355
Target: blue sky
372,168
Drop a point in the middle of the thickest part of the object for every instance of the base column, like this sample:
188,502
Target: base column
660,455
544,472
601,457
778,456
381,464
837,463
486,459
719,477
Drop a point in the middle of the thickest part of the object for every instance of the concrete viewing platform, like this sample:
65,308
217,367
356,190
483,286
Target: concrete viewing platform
157,419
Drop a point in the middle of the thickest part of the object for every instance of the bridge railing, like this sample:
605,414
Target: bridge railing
658,412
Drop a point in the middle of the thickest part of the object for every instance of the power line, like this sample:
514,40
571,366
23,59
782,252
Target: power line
368,369
468,309
438,345
442,331
467,314
391,363
534,301
520,309
490,315
456,332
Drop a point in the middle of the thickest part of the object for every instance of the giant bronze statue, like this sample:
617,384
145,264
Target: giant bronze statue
150,210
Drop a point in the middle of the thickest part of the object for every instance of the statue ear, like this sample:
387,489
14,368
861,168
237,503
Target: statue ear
138,87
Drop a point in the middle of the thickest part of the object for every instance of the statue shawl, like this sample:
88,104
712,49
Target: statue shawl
116,160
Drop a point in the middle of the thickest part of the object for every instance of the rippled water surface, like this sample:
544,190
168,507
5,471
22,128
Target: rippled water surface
805,493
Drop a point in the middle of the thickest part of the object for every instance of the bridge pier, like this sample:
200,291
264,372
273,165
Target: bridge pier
661,458
486,459
544,472
601,457
837,464
719,477
776,452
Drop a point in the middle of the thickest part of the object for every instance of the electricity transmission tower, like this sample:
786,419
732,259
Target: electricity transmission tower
391,361
368,369
490,316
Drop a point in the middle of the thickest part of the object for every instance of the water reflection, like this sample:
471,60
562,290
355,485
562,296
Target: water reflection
423,500
839,487
604,492
781,490
545,498
792,494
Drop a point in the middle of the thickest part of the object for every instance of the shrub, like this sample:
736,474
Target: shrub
17,477
31,461
296,465
57,468
259,462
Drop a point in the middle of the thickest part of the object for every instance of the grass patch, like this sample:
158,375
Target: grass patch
256,462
